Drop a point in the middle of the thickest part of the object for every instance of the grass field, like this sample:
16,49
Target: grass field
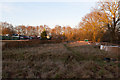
59,60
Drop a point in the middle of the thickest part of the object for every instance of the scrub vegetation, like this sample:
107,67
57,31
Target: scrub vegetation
59,60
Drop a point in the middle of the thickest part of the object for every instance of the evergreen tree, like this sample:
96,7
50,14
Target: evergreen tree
44,35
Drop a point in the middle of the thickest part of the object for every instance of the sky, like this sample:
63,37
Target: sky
44,13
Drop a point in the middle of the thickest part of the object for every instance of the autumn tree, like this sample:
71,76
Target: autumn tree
69,33
31,30
107,12
7,28
37,30
56,32
92,27
21,29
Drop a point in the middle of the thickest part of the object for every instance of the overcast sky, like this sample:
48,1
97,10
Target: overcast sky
48,13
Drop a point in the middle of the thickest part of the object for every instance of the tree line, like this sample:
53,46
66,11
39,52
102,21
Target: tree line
101,24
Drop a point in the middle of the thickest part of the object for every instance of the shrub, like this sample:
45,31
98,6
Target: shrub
44,35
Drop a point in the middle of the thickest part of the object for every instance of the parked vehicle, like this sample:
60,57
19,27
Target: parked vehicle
49,37
23,37
15,37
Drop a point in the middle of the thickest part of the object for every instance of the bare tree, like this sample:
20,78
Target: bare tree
108,13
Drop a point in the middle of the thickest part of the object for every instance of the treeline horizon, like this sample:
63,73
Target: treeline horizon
101,24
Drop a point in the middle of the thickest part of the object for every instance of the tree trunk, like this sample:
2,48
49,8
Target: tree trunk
113,36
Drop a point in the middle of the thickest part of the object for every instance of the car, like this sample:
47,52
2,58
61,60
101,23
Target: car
23,37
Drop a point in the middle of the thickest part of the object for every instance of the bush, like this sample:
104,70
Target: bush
0,37
6,38
44,35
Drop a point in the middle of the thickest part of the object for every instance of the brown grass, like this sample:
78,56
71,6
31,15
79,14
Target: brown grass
60,60
25,43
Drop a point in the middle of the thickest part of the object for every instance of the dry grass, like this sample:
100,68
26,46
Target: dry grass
25,43
60,60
